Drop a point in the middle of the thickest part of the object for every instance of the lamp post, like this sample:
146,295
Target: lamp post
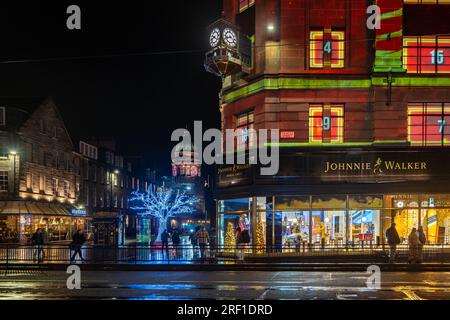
14,154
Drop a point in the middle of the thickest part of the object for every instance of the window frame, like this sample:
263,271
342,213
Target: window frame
422,109
334,107
4,181
248,125
434,43
317,45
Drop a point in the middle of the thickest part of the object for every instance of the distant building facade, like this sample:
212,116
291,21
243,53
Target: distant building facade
39,173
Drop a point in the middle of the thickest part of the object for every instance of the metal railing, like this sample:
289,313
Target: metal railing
16,254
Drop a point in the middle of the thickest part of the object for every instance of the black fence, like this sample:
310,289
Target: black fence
16,254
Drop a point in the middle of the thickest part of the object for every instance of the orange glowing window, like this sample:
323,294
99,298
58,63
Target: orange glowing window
429,124
326,49
245,4
326,123
428,54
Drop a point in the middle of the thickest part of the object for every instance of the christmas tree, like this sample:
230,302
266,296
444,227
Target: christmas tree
230,238
259,237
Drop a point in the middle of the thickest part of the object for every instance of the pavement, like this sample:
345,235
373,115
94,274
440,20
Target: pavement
180,285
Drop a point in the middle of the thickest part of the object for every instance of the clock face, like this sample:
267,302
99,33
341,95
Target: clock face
229,37
214,38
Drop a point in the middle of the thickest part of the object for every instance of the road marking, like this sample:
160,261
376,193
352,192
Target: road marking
411,295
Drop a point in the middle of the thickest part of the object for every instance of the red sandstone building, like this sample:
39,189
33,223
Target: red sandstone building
363,116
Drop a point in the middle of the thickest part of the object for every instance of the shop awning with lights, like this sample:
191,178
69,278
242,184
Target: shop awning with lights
34,208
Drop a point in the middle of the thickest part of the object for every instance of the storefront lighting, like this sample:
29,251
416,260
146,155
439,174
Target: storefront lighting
13,152
270,27
400,204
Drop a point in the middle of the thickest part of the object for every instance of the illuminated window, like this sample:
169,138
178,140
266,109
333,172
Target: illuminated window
427,1
326,123
245,4
428,54
326,49
428,124
3,181
245,131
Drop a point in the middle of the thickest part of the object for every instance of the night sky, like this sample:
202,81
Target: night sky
138,100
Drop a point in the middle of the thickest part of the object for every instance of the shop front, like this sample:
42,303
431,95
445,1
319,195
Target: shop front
20,219
337,199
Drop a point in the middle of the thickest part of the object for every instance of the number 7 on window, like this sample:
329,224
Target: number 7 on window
441,125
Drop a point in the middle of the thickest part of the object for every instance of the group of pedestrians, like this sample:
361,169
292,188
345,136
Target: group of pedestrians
199,238
39,239
416,241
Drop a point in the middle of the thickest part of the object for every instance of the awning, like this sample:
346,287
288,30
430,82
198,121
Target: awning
34,208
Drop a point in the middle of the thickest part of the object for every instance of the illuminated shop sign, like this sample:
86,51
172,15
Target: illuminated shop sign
78,212
378,167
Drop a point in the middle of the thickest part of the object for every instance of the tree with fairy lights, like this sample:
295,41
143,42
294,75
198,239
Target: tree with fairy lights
163,205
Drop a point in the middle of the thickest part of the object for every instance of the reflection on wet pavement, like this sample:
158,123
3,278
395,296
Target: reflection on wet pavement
226,285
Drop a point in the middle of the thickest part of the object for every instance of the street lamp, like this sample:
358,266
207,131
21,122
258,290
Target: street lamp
14,154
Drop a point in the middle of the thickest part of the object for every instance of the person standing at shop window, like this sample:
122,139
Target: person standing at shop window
413,242
37,240
422,241
393,240
239,243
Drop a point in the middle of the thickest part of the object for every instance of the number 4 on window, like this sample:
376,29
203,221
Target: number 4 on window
327,47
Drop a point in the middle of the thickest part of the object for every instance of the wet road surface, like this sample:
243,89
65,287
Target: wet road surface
224,285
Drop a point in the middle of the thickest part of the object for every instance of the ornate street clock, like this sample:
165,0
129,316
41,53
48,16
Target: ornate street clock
229,37
231,51
214,37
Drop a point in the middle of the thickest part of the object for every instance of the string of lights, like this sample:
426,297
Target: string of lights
176,52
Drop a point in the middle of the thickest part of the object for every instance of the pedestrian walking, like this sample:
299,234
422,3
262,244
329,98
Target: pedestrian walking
37,240
393,240
78,239
194,241
422,241
165,241
203,240
176,241
413,243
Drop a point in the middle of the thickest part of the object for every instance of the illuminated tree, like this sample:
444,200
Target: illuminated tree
260,242
230,238
163,205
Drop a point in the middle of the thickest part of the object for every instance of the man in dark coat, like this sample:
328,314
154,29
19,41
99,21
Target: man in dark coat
393,240
78,240
37,240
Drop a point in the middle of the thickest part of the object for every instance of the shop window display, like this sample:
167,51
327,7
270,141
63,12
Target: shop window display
364,215
228,225
364,226
295,228
328,227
